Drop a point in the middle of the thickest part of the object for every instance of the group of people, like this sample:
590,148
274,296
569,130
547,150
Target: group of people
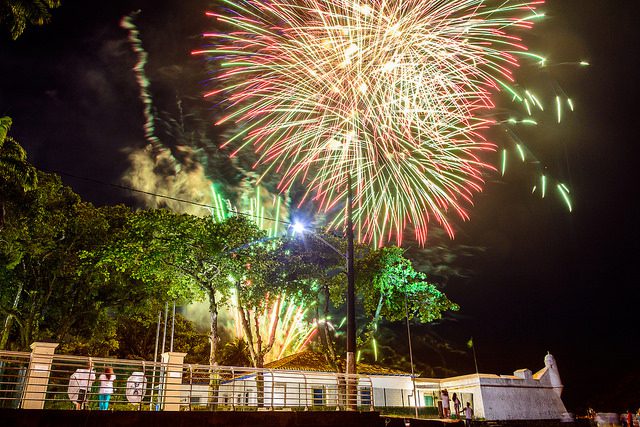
624,419
446,412
81,382
628,419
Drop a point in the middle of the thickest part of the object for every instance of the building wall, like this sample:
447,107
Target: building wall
392,391
522,396
508,397
293,390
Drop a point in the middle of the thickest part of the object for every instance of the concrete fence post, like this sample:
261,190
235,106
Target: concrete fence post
35,389
172,387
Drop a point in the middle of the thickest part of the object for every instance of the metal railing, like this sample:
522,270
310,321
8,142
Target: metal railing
13,373
68,382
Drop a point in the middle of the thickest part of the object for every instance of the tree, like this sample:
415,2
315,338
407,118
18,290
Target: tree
235,353
387,280
323,251
40,247
32,240
193,256
135,332
16,174
272,274
16,14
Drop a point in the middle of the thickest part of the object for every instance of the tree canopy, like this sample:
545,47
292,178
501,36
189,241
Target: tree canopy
15,15
94,278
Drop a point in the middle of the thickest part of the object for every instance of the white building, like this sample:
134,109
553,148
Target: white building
305,380
521,396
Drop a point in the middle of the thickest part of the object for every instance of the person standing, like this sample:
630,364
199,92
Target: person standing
456,404
106,388
629,418
444,396
468,415
80,383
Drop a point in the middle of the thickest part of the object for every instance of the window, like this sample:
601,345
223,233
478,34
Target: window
428,401
279,394
317,396
243,398
365,396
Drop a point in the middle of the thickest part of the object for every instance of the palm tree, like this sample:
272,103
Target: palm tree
14,168
15,171
15,174
16,14
235,353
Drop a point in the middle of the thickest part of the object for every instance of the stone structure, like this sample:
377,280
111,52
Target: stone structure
521,396
39,371
172,376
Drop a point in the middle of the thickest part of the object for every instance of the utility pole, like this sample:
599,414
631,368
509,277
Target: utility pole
413,374
352,398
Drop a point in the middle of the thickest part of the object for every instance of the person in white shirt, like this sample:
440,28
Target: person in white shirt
82,380
106,388
468,415
444,396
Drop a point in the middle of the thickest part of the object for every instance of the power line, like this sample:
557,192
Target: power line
164,196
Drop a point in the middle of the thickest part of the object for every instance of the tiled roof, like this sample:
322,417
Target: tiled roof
311,361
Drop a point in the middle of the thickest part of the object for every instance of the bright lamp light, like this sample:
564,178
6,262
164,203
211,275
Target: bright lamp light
298,227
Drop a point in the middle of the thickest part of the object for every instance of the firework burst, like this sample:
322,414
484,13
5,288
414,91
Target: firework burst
396,94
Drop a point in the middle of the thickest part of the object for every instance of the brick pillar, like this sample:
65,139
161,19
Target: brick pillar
35,389
172,384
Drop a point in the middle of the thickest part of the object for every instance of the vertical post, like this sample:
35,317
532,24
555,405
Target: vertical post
172,386
173,325
473,348
35,389
351,310
413,376
155,362
166,319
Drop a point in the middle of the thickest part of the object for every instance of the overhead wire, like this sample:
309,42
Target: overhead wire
164,196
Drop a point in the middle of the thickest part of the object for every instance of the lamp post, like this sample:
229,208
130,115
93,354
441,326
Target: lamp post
352,398
413,375
351,381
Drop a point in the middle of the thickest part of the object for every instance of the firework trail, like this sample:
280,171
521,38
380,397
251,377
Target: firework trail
128,24
397,94
157,170
293,331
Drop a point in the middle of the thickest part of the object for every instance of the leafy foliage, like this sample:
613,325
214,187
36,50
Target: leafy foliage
16,14
48,284
387,281
94,278
194,257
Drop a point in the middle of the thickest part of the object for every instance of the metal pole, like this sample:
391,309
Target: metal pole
473,347
162,373
166,317
155,361
351,308
173,326
413,377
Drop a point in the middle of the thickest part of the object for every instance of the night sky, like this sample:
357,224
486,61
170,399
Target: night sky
547,280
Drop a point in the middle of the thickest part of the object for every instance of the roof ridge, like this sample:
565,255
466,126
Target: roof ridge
310,360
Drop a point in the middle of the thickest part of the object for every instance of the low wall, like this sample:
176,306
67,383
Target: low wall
60,418
399,422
